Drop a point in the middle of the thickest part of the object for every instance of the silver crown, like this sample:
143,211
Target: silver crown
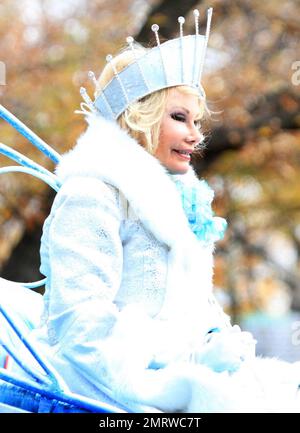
174,63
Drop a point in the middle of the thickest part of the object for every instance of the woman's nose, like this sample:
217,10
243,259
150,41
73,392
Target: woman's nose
194,136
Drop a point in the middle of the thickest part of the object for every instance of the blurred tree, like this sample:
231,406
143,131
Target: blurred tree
165,14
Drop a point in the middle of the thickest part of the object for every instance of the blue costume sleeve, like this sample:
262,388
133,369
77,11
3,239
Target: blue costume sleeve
83,252
81,257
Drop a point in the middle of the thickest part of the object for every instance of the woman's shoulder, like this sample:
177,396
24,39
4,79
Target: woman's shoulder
87,190
84,184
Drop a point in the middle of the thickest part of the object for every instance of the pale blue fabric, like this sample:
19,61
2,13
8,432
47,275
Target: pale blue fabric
196,202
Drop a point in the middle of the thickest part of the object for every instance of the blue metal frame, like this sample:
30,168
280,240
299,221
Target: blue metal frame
76,400
51,181
26,162
30,135
49,384
27,165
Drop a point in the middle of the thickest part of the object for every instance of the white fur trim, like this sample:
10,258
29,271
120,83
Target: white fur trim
108,153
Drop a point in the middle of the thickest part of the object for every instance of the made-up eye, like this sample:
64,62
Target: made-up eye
179,117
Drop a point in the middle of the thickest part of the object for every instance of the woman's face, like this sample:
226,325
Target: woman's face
179,132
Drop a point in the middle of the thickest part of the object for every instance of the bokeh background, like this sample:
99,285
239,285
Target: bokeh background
252,158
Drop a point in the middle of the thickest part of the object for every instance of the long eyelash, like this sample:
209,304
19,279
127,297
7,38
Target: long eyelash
178,116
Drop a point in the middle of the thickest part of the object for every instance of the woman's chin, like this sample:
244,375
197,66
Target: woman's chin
178,169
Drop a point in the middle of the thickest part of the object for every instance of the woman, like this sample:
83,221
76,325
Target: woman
127,251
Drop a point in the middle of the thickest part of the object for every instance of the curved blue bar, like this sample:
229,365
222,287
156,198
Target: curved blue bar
56,381
30,135
33,374
23,160
33,285
51,181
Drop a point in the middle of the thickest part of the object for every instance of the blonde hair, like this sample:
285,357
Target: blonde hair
142,119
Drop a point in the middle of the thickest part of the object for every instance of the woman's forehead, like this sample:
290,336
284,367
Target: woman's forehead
179,98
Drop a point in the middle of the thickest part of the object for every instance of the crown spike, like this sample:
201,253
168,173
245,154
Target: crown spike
196,15
155,28
130,42
196,47
109,59
208,24
92,77
89,103
85,96
181,21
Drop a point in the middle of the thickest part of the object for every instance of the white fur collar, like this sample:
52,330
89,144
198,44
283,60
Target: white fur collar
107,152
